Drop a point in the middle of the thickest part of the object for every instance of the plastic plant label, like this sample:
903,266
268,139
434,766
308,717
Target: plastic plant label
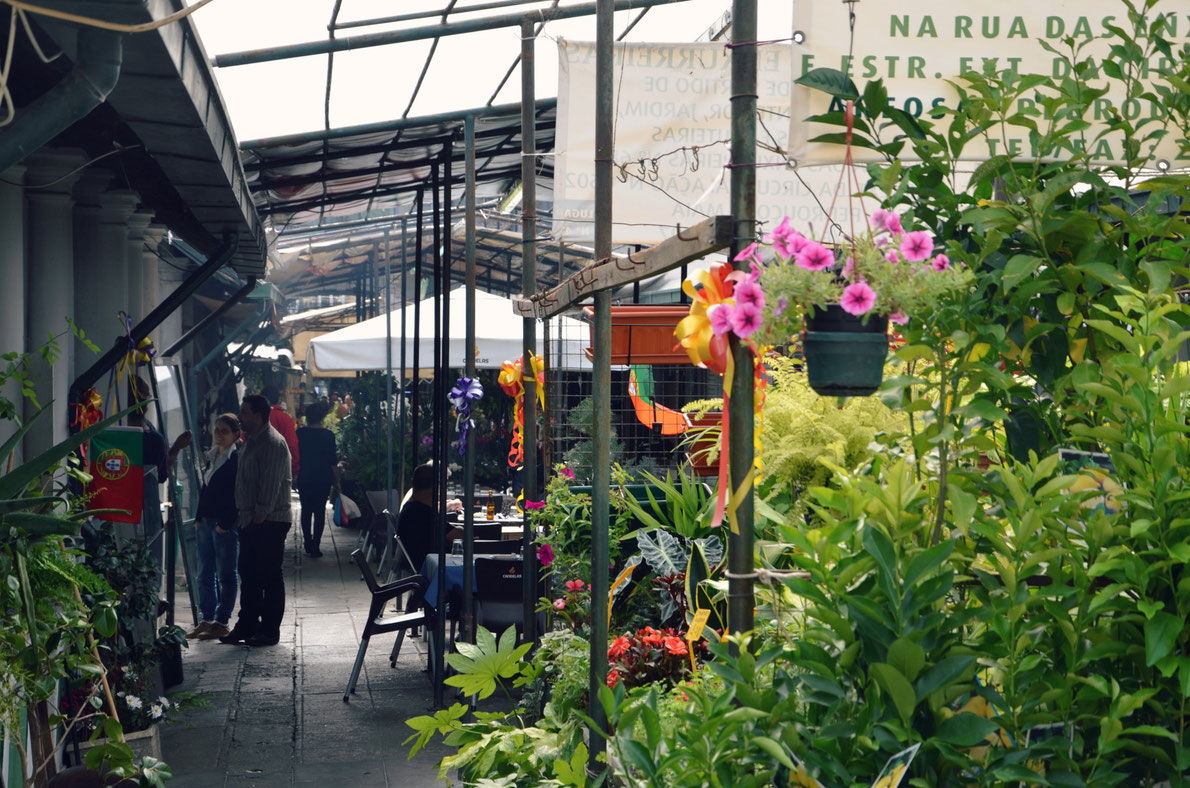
894,771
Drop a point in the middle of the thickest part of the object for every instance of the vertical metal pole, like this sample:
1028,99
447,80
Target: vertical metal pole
740,560
388,371
415,381
401,406
469,371
435,450
528,288
601,378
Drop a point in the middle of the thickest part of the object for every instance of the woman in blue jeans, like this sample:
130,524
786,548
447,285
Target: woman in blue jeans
215,533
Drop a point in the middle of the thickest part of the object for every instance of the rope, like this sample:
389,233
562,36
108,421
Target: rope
102,24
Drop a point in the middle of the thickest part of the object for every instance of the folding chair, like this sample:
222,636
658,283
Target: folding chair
377,623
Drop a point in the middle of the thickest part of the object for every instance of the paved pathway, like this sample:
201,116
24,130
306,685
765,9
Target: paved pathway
276,715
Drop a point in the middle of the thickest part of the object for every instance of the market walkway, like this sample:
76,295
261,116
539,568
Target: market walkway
277,716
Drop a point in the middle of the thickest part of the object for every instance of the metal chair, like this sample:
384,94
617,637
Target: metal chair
379,624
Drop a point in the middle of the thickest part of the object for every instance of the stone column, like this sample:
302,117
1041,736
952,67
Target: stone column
137,224
12,294
49,284
87,309
150,268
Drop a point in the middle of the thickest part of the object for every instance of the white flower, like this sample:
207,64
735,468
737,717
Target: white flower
156,712
130,674
164,701
133,702
120,694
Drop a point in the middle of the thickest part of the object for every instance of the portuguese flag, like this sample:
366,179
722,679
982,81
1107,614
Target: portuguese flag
118,474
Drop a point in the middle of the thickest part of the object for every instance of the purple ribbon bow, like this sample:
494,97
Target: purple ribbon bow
466,392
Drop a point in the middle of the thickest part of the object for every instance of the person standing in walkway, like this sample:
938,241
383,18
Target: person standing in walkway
283,423
263,483
215,533
319,471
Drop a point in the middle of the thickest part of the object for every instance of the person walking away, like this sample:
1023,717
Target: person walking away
218,544
283,423
262,489
318,472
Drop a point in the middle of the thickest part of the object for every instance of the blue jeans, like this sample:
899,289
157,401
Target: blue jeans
217,579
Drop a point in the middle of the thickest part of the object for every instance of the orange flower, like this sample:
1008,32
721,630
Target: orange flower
650,636
619,646
613,677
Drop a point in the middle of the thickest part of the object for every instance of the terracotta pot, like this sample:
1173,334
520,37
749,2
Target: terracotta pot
697,453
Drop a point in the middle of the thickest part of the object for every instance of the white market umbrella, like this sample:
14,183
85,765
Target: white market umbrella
498,338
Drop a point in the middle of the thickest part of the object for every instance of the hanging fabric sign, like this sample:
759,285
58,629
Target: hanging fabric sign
919,48
117,470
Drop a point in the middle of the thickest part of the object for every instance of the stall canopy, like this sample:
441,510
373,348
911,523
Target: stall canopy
498,338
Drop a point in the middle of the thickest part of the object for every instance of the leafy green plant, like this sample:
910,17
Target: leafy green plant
498,747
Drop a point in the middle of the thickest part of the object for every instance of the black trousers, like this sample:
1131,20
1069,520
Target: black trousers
262,583
313,514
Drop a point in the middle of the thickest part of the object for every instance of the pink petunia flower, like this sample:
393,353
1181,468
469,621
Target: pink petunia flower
747,253
893,224
899,318
880,219
814,257
881,241
568,473
748,292
779,237
892,256
917,246
560,603
795,243
720,316
745,319
545,554
940,263
858,298
849,267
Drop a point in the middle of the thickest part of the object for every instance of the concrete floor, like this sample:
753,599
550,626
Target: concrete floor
276,715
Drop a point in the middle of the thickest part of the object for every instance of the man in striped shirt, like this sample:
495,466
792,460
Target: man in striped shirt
263,483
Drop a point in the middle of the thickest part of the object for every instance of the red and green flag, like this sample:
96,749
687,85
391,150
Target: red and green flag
118,474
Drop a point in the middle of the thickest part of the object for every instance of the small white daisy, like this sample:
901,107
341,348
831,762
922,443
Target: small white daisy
156,712
133,702
164,701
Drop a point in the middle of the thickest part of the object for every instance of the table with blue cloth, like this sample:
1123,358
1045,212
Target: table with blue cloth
454,572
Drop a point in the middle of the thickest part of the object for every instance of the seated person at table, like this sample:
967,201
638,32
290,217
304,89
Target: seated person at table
415,524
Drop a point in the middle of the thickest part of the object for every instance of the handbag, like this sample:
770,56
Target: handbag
337,511
350,509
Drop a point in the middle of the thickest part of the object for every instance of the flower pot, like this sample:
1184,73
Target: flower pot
699,451
142,743
644,334
844,355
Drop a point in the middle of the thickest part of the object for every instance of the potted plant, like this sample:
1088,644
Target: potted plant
702,438
840,298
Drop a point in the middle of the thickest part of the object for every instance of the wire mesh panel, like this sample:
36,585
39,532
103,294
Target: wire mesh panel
647,425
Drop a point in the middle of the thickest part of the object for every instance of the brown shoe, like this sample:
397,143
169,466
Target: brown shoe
200,630
215,630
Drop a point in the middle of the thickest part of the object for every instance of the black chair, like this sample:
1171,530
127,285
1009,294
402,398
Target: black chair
499,593
499,546
488,532
377,623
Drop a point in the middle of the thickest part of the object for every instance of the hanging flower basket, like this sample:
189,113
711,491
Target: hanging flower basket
844,355
643,334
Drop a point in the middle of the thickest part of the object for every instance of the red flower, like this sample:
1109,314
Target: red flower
574,585
650,636
618,647
613,677
674,645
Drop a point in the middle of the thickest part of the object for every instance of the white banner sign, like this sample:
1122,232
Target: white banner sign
672,134
916,46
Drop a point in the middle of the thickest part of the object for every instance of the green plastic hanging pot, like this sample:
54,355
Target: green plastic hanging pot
844,355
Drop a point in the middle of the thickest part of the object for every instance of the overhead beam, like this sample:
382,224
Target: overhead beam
386,20
709,235
422,33
399,124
